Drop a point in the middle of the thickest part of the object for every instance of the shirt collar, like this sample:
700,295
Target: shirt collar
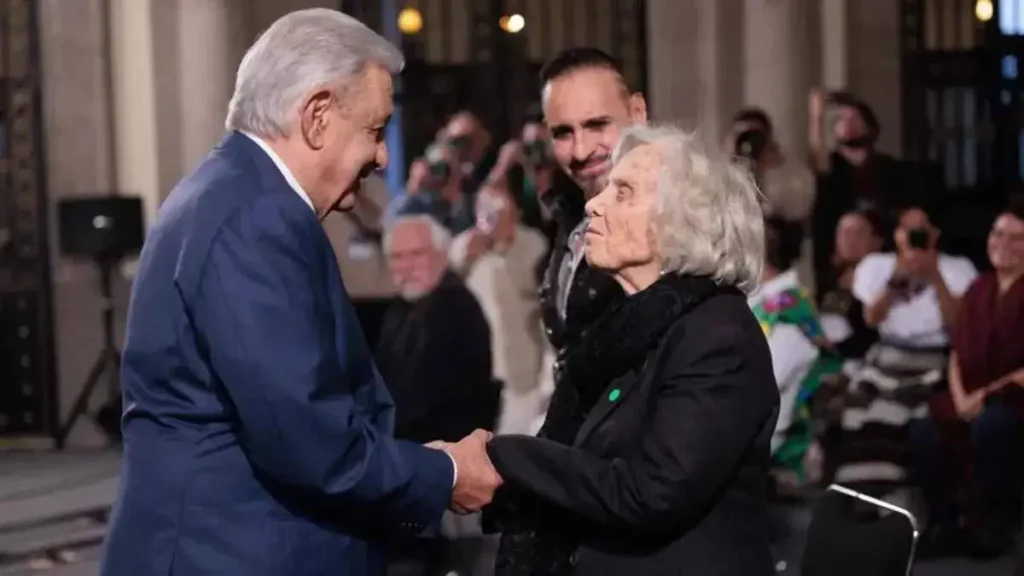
288,176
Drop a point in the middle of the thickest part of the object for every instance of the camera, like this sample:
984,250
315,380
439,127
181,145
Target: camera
437,163
751,144
536,153
919,238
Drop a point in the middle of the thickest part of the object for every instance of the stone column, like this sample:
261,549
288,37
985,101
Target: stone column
720,51
672,63
210,45
780,67
834,44
873,64
135,88
695,62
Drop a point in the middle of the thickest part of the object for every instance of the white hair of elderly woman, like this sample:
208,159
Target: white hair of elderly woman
300,52
440,235
708,218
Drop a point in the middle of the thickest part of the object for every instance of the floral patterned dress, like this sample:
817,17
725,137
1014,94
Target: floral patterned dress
794,307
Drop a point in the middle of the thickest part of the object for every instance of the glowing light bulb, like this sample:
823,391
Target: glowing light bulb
512,23
984,10
410,21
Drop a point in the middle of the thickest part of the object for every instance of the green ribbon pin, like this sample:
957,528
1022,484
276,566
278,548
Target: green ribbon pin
614,395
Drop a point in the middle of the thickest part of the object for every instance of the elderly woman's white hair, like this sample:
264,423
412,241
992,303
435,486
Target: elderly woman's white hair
707,217
300,52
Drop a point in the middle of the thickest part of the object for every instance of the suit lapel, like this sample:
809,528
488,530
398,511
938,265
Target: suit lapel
614,395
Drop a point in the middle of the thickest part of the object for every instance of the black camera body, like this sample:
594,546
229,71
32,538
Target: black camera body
919,238
751,144
536,153
437,164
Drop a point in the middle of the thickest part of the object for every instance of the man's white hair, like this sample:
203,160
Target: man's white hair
707,216
302,51
439,235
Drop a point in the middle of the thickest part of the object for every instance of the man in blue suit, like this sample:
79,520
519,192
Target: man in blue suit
258,433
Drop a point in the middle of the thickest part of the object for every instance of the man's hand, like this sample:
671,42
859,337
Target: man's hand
477,479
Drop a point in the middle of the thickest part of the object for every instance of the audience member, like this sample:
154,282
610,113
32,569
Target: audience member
474,148
911,297
528,166
434,351
787,186
434,354
984,410
855,176
503,281
842,315
800,355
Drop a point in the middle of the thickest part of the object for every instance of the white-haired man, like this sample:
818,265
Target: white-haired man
435,354
258,433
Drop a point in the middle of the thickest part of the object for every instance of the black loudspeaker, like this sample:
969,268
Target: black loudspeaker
106,229
102,227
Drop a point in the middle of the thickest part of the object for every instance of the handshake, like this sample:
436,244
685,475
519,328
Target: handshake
476,479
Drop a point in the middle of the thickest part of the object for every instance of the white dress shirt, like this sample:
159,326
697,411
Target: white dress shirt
290,178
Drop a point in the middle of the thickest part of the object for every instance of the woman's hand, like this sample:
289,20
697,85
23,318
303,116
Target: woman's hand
971,405
1018,377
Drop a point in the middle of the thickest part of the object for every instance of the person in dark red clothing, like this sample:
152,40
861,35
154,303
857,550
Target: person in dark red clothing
986,394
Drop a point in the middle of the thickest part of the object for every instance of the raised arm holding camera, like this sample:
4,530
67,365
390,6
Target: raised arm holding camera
854,175
918,266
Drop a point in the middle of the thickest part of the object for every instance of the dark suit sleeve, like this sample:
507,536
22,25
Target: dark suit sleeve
710,408
263,309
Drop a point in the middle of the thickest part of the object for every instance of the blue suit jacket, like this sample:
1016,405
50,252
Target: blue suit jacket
258,433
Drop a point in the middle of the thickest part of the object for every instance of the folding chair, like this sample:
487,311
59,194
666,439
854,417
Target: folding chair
852,534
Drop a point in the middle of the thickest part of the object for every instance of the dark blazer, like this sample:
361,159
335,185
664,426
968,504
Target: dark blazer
258,434
435,355
667,472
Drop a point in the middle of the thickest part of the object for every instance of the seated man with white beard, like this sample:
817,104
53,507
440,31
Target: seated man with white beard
434,350
434,353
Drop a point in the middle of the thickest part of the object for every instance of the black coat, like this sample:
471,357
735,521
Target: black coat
592,291
655,454
434,354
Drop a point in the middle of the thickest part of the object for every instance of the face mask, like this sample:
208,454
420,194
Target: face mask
857,143
460,143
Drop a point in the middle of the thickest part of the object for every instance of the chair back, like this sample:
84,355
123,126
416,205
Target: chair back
852,534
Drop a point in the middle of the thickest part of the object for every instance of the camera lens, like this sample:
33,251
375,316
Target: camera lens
751,144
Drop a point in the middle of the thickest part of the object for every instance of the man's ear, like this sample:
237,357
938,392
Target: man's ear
638,108
315,117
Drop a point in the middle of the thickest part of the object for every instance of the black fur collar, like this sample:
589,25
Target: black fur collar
619,341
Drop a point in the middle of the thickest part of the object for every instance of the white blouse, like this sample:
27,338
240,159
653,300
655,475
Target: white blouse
917,321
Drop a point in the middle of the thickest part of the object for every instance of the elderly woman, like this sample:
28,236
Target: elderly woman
655,452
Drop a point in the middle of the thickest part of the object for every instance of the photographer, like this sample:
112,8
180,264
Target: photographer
911,297
466,135
855,176
438,175
528,167
786,186
913,294
752,139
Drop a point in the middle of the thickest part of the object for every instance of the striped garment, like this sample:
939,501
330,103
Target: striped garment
891,389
